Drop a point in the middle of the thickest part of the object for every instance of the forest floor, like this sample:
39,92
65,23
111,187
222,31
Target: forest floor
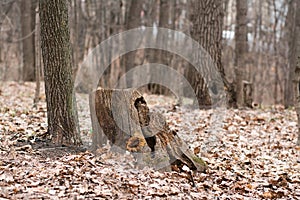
252,156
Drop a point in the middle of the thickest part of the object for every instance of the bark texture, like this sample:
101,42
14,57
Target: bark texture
297,67
56,51
207,24
125,119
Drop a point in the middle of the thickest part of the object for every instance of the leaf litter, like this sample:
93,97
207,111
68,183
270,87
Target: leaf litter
252,156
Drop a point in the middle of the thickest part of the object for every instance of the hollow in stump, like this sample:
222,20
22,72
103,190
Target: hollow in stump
123,116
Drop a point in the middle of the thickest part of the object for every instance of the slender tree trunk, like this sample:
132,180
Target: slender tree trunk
37,60
133,20
275,49
82,33
161,56
28,29
164,11
207,19
56,51
241,49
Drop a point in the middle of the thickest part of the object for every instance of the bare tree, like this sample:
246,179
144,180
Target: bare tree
241,49
56,51
28,29
290,35
38,60
297,67
159,55
133,20
207,20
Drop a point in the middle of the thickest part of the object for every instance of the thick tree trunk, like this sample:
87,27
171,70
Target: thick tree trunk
207,19
297,92
297,67
241,48
56,51
28,29
125,119
290,36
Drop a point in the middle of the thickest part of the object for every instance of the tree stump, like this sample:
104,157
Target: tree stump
124,117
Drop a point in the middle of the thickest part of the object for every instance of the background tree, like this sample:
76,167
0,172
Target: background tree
93,21
160,56
290,37
133,20
56,51
28,42
241,49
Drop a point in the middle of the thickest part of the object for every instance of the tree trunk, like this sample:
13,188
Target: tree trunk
28,29
241,49
161,57
38,60
297,67
290,35
56,51
207,20
125,119
133,20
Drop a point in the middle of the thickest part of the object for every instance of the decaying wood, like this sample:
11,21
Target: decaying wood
126,120
247,93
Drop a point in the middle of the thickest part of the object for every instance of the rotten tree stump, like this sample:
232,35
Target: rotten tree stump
124,117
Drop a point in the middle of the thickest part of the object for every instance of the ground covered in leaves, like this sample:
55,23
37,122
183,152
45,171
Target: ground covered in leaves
252,156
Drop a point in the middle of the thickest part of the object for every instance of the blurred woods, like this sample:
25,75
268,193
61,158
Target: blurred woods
257,41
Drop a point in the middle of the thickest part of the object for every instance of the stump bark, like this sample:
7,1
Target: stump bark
123,116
